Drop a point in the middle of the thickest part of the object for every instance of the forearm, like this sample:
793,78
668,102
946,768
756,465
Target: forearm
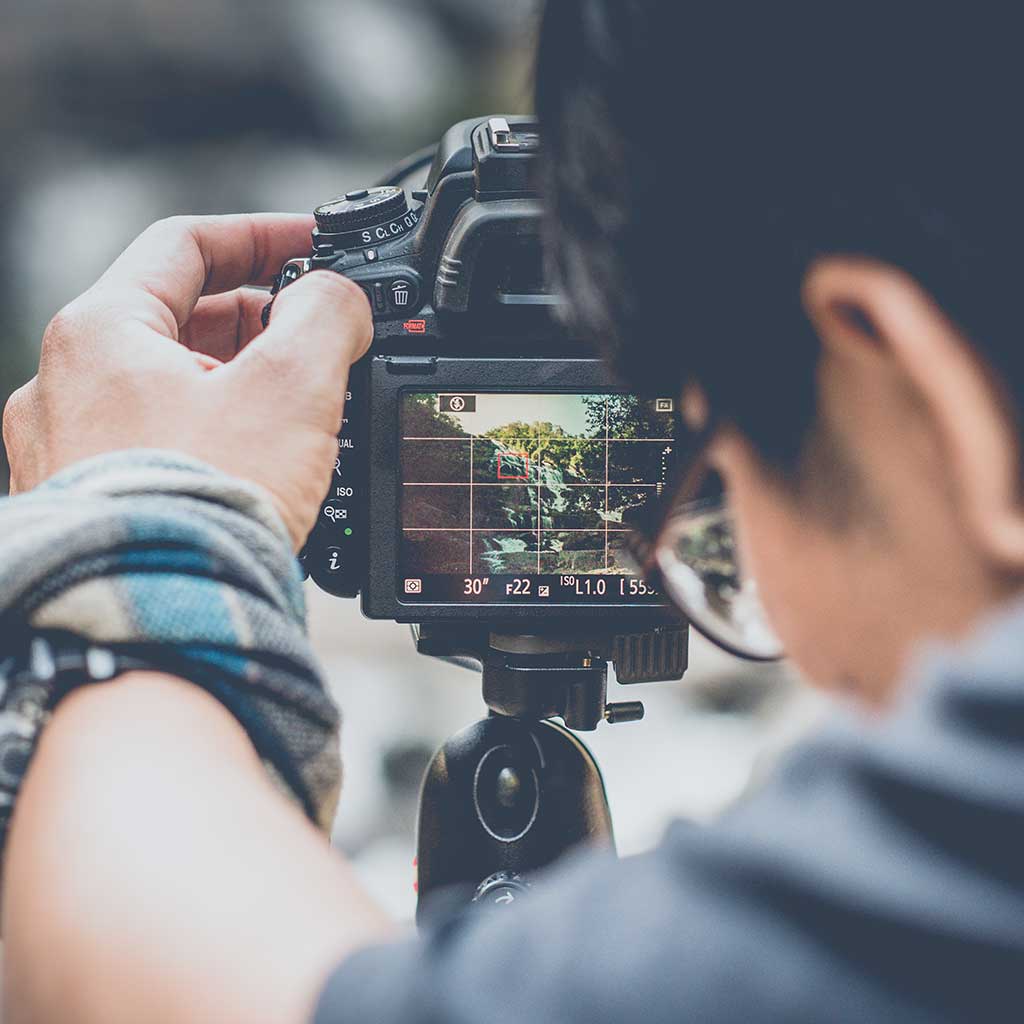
154,874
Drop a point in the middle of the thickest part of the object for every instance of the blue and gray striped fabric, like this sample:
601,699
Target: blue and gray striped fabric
184,568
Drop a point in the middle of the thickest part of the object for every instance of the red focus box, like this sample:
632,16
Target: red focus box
513,455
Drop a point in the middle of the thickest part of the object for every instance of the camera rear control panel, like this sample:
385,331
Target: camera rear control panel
335,553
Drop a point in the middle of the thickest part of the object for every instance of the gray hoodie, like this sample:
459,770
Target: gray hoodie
878,877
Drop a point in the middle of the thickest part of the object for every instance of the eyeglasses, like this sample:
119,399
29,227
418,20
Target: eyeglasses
686,547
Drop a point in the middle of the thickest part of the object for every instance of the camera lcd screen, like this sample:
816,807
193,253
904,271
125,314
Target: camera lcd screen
524,498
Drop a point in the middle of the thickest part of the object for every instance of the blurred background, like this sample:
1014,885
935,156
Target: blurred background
116,113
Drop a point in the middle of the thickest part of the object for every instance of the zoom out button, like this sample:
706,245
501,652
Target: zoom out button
336,514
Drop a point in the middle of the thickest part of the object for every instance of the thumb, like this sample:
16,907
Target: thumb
319,326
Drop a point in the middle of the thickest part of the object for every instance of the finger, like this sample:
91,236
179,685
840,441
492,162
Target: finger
319,326
222,325
177,260
17,427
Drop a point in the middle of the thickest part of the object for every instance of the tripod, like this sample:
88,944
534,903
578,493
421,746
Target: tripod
511,793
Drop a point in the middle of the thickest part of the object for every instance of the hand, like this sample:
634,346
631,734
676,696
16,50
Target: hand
167,350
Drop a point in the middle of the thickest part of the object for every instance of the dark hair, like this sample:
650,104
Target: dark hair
700,156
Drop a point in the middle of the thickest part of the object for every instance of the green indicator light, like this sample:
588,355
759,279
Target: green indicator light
348,531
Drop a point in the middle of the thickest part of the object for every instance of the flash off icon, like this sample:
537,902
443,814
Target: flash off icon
457,403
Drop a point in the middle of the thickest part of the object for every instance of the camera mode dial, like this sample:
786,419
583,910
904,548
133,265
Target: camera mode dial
363,208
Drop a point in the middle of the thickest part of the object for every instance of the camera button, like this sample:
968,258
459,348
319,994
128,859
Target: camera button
380,302
336,514
357,194
403,294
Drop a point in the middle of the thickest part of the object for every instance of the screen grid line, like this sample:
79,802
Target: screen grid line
540,521
471,475
607,489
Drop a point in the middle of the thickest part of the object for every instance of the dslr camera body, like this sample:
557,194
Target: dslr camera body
488,464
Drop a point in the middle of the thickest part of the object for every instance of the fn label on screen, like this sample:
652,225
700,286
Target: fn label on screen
457,403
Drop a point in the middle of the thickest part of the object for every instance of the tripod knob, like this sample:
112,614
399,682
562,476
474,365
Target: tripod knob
624,711
501,889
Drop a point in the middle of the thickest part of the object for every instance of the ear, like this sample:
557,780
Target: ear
871,311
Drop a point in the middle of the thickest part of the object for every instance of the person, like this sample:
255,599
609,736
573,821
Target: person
809,221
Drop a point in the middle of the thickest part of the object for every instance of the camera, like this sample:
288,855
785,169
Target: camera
488,464
488,470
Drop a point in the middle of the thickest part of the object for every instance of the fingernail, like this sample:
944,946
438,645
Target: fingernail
206,362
